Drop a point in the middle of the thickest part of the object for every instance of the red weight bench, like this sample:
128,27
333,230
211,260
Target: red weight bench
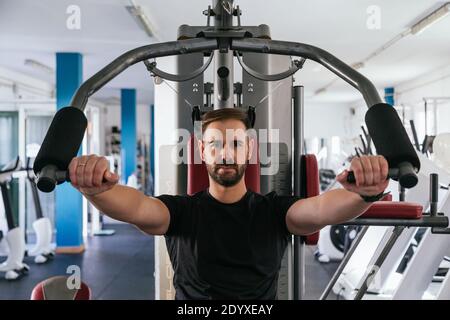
310,188
56,288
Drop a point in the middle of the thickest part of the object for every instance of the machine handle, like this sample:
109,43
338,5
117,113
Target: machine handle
405,174
50,176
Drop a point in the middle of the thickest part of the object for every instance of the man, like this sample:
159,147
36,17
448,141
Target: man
227,241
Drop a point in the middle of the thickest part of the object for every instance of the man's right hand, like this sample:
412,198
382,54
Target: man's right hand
90,175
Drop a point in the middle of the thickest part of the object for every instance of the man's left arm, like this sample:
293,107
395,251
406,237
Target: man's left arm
309,215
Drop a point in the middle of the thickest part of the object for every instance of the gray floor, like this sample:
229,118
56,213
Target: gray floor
122,266
317,275
115,267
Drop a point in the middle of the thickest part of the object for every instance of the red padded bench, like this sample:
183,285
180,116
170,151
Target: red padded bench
56,288
311,188
394,210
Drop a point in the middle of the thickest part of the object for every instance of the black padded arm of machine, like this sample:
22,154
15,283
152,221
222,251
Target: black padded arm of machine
385,127
61,144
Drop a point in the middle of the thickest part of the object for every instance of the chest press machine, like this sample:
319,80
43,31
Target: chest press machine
223,42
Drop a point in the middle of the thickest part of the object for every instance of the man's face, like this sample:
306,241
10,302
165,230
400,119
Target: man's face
225,149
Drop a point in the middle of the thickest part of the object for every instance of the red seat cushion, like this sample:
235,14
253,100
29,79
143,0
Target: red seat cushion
387,197
312,176
312,239
394,210
198,175
312,189
56,288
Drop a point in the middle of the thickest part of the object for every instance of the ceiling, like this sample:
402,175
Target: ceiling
32,29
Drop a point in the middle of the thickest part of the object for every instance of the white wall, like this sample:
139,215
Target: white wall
331,122
165,171
411,94
165,125
409,102
26,87
326,120
112,117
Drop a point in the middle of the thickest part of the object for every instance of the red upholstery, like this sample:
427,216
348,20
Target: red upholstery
386,209
197,179
312,189
394,210
56,288
312,176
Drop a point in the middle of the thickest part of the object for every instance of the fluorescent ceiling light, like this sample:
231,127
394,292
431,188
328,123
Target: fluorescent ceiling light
38,66
141,18
431,19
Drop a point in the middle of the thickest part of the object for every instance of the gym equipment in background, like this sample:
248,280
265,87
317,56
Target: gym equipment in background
13,267
376,239
43,250
395,270
331,244
334,241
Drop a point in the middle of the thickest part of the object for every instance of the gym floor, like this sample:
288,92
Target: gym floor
121,267
115,267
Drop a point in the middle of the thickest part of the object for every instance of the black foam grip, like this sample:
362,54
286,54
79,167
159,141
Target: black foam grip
63,139
389,136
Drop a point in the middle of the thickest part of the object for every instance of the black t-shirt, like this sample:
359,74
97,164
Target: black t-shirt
227,251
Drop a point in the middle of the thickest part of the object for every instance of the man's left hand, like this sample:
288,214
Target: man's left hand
370,175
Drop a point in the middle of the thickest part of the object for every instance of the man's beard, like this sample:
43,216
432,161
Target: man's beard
226,178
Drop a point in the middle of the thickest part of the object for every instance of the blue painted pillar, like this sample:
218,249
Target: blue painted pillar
389,95
128,129
69,203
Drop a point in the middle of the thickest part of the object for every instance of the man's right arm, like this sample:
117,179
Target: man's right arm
91,176
130,205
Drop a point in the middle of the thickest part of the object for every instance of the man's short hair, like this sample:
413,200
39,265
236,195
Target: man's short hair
225,114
